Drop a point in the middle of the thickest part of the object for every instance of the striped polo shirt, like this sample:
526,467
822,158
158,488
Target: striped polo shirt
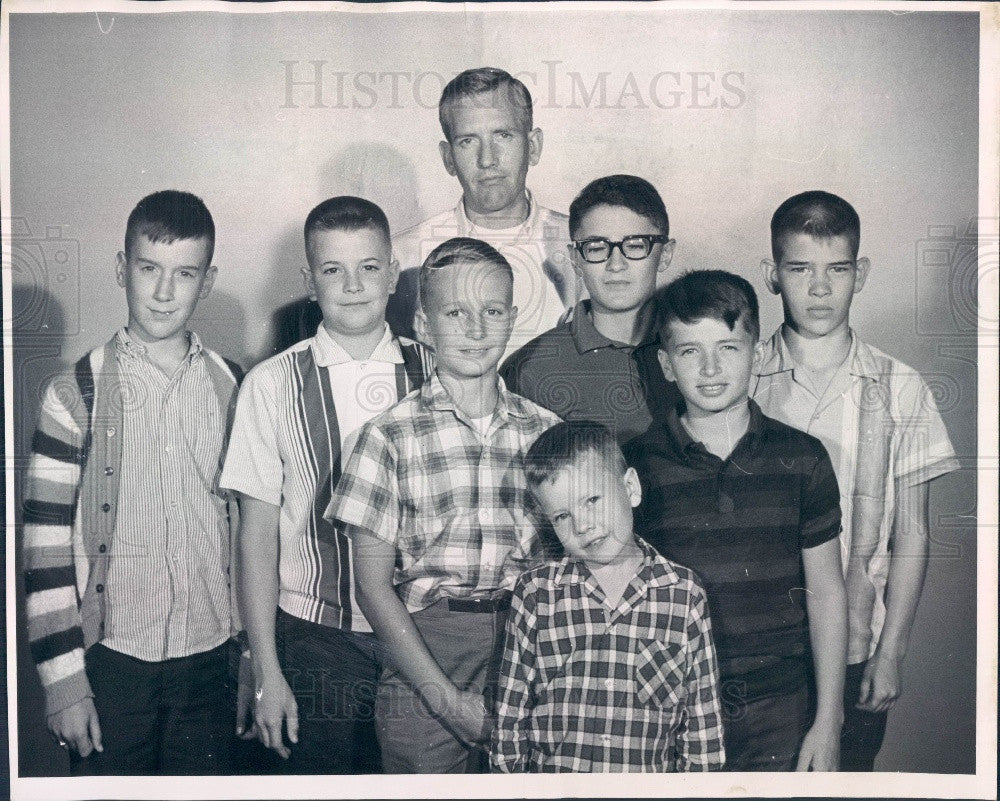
297,413
741,524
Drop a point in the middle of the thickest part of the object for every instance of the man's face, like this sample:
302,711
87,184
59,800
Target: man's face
619,285
467,315
163,282
710,363
489,151
351,274
590,508
817,280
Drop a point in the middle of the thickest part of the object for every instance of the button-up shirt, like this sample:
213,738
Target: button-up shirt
587,686
451,499
168,574
878,420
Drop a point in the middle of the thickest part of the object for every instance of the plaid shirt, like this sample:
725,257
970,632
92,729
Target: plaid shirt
452,501
584,687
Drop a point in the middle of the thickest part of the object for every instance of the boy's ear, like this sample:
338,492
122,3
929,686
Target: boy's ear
534,146
666,255
758,356
310,282
444,147
574,256
668,368
393,274
120,264
208,281
861,268
420,326
770,272
633,487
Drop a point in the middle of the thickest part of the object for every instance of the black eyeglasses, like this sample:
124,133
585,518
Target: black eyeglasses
634,247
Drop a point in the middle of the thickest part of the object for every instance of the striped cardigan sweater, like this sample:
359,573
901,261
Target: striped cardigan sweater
71,496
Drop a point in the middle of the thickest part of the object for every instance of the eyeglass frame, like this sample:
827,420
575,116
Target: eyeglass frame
653,239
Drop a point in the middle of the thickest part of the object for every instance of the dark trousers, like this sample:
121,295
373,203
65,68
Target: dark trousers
763,733
863,732
159,718
334,676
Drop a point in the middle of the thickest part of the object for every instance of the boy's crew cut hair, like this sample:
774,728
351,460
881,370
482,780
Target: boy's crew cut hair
460,250
481,81
562,445
711,294
816,213
169,215
346,213
634,193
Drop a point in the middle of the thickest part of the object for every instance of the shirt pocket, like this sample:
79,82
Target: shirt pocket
659,673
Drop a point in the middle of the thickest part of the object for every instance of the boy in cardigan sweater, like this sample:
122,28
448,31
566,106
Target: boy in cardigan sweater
126,539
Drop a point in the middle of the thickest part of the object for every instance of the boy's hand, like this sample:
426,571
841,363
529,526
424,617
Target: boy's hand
77,727
244,700
820,748
274,706
880,684
469,718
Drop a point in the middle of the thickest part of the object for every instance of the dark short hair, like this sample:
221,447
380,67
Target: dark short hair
634,193
481,81
708,294
169,215
460,250
560,446
346,213
816,213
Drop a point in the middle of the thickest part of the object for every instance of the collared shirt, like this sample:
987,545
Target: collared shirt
537,249
588,687
288,406
580,374
452,500
171,539
878,420
741,524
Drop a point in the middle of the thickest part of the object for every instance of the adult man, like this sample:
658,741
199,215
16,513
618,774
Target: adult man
489,144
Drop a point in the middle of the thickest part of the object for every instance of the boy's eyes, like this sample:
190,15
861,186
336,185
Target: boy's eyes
373,268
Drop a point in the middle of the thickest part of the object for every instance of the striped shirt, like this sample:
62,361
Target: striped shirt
171,538
296,414
741,524
451,499
878,420
590,688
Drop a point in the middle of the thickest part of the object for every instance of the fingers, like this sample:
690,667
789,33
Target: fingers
805,758
292,716
94,725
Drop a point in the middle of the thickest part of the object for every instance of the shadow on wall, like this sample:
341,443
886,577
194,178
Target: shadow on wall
375,171
221,323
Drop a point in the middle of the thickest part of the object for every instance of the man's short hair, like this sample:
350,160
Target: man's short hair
560,446
460,250
346,213
169,215
634,193
816,213
708,294
481,81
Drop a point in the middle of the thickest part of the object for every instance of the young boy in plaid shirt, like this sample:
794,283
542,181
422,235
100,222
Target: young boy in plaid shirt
609,663
433,499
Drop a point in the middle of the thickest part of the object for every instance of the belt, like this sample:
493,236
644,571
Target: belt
498,603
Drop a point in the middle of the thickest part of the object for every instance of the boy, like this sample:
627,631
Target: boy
600,364
882,428
433,499
126,538
609,663
751,505
315,660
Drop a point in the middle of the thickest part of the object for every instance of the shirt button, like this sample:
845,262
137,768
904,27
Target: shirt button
167,449
105,507
102,547
111,432
99,588
173,503
109,471
609,683
485,516
606,738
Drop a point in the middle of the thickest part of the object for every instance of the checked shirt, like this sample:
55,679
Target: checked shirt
452,500
588,688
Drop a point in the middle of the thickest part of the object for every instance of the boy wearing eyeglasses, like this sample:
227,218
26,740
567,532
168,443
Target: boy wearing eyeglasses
600,362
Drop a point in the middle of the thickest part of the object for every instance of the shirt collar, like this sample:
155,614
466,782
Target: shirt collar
686,447
129,346
778,358
434,397
328,352
655,571
586,337
467,227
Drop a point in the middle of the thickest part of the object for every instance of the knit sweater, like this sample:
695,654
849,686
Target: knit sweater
71,497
